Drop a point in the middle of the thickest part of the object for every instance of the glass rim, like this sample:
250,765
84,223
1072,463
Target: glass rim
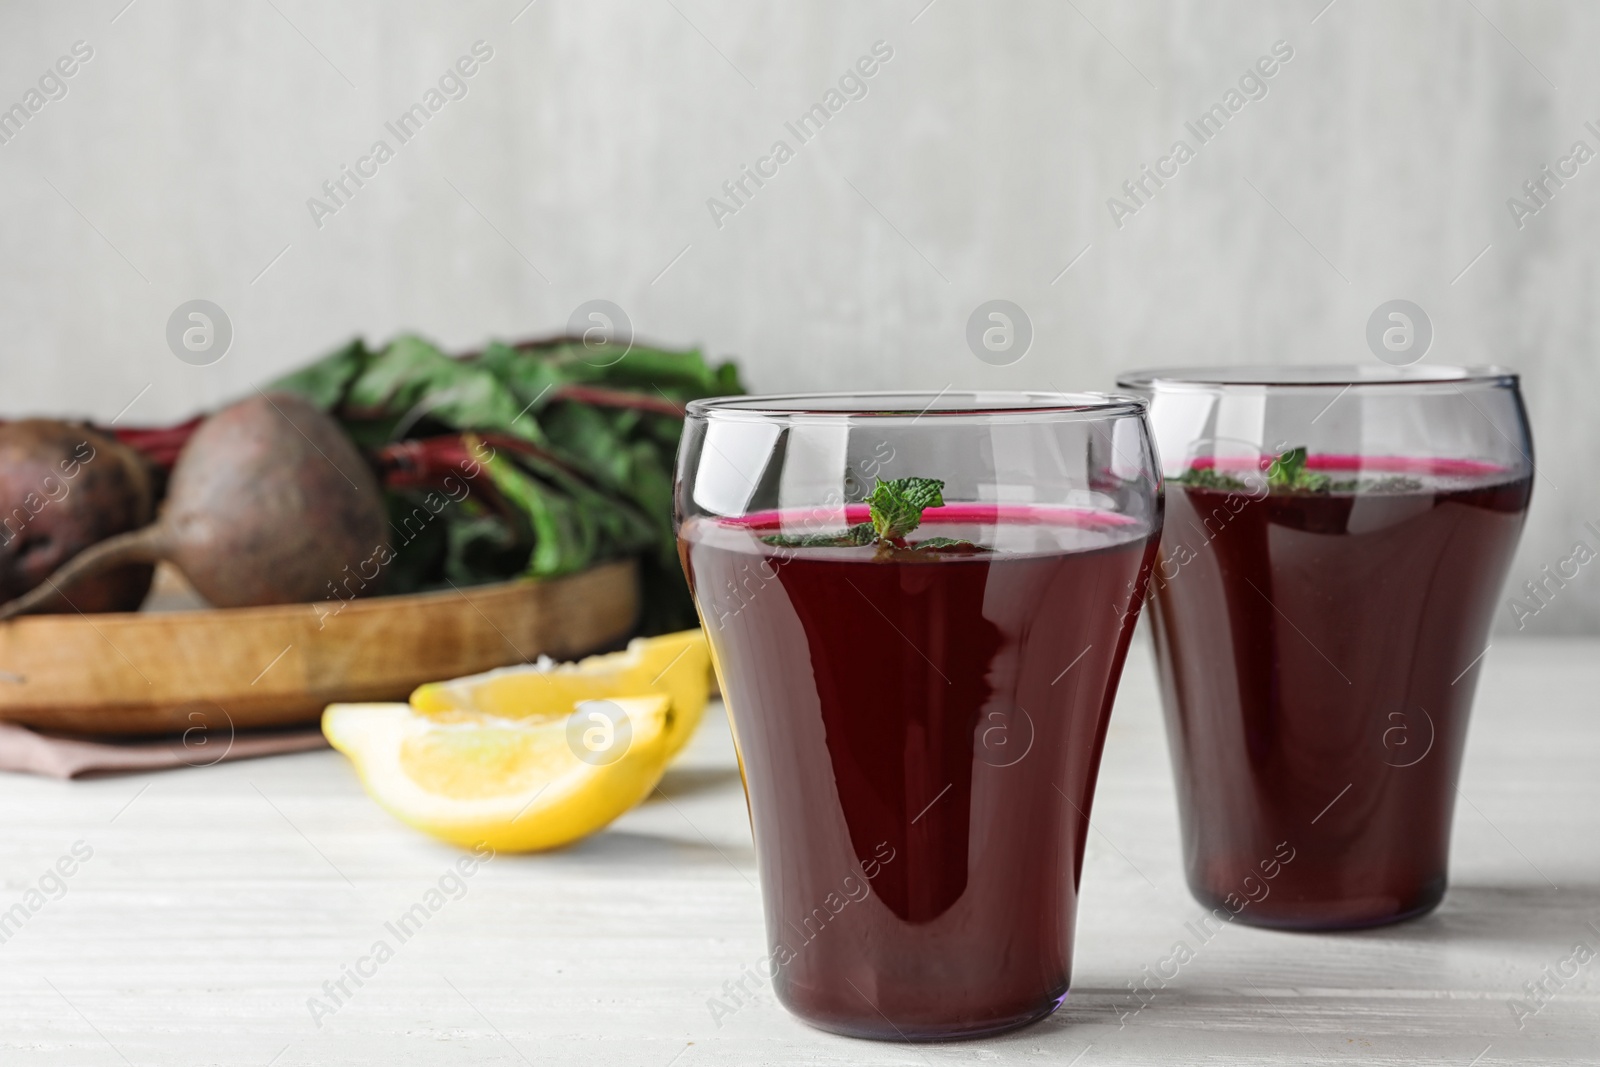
916,404
1316,376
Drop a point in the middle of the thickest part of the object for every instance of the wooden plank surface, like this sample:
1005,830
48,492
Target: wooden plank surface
216,901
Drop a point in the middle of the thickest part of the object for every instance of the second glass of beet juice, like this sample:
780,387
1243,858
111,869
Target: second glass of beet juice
1335,545
919,607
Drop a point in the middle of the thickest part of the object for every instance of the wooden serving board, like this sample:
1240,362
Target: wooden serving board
237,668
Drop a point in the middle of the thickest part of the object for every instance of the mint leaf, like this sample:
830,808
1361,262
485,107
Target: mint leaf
1210,478
897,506
1394,483
859,534
937,544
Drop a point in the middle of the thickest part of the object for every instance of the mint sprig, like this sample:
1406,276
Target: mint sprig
1288,471
895,509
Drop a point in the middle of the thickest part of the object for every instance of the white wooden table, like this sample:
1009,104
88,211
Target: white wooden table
218,900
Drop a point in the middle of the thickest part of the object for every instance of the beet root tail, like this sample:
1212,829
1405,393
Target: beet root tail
148,545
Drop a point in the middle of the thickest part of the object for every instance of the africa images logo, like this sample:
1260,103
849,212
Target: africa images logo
852,86
452,85
52,86
1206,127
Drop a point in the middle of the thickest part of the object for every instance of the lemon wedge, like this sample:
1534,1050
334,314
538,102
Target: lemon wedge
677,665
518,785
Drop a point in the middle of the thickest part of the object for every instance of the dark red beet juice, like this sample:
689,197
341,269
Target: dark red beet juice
1315,651
920,734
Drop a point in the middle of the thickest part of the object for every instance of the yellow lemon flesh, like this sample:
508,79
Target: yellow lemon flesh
676,665
518,785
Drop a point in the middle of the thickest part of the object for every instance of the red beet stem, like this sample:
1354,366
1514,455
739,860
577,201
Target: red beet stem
602,397
159,444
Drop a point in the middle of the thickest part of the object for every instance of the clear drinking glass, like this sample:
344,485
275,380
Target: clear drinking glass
918,720
1335,545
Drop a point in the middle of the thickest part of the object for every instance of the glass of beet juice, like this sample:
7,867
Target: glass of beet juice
1335,544
918,606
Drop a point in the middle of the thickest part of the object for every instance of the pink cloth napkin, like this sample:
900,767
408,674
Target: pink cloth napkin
30,752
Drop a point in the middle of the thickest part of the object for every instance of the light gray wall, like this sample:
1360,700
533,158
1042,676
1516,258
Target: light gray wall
978,166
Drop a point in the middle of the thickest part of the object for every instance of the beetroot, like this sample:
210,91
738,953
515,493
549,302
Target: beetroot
269,503
64,487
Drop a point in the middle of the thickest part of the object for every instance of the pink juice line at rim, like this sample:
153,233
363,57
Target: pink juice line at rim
1341,462
980,514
